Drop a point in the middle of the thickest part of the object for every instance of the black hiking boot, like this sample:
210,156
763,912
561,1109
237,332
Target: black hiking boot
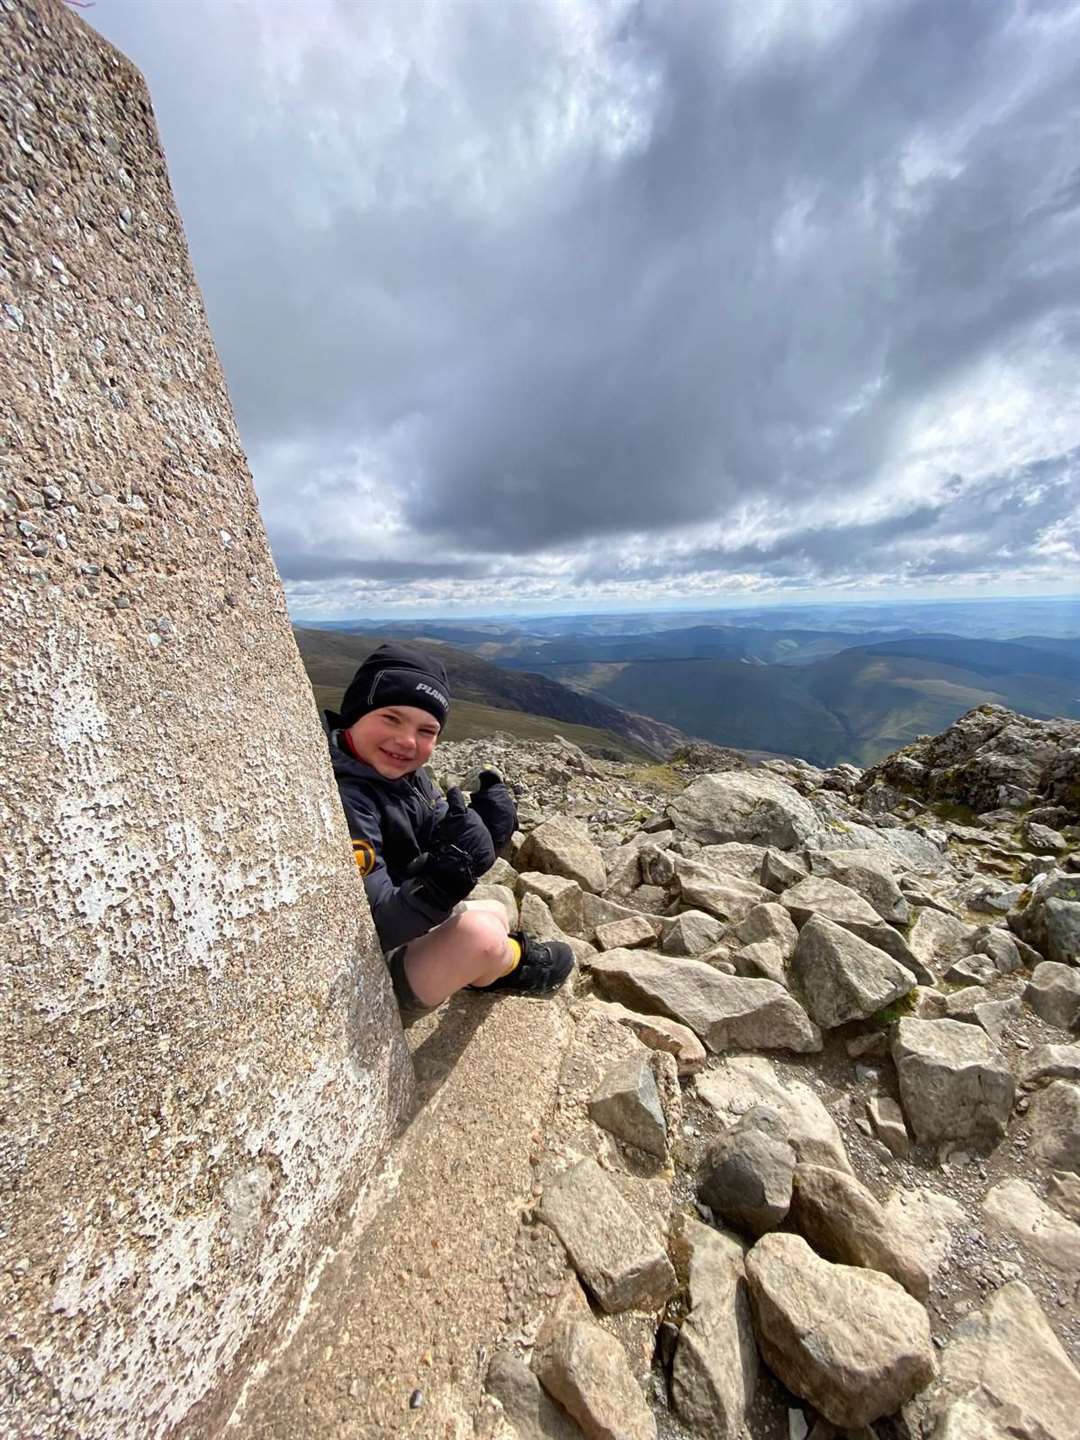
543,966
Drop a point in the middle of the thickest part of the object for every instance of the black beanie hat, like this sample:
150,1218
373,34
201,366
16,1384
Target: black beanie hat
397,675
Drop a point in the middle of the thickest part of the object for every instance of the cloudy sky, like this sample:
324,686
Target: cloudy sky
580,303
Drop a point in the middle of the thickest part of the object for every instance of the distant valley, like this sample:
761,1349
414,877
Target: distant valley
853,690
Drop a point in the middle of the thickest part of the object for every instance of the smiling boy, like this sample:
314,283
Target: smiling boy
420,854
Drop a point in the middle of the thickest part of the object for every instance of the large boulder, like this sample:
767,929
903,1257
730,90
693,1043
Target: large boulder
1053,992
746,1178
728,1012
843,1222
715,1371
561,846
839,977
1048,917
829,900
747,806
690,933
726,897
850,1341
954,1083
1004,1376
622,1263
870,875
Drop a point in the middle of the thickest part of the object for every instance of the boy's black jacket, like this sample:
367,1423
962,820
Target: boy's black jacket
391,824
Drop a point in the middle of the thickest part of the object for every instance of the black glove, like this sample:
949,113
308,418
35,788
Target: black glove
495,806
461,851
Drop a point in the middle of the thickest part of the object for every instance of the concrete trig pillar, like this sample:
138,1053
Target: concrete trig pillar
201,1056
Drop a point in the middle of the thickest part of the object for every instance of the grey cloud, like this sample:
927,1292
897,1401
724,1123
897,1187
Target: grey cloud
798,247
324,567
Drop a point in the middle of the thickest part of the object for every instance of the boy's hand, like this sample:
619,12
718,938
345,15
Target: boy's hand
461,851
495,806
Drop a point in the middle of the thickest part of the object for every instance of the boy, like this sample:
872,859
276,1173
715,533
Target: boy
420,855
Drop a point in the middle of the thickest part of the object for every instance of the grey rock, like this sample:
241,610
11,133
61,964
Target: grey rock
740,1083
562,846
746,1179
1053,992
1049,1062
735,858
1054,1118
841,977
532,1414
887,1121
935,936
658,1033
1047,917
904,849
843,1222
627,1104
1003,1374
1043,840
871,876
1014,1208
764,960
599,910
751,807
691,933
828,900
779,870
850,1341
626,934
954,1083
537,919
725,897
972,1007
623,868
971,970
884,937
586,1370
623,1265
561,895
999,946
728,1012
767,922
715,1370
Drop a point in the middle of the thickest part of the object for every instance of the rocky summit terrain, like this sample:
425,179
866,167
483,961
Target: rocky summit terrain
814,1164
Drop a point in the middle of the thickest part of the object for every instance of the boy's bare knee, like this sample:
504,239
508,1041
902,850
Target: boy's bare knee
484,934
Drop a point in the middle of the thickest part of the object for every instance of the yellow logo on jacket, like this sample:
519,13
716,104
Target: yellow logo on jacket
364,855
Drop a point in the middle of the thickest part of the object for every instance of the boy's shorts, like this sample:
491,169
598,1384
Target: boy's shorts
408,1004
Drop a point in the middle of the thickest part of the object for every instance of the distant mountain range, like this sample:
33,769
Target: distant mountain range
790,691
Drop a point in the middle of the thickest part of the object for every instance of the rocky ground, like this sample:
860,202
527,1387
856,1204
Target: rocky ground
815,1161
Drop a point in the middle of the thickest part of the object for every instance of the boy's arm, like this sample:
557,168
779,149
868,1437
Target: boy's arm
494,803
401,912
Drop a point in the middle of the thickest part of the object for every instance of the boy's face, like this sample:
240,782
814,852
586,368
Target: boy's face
395,740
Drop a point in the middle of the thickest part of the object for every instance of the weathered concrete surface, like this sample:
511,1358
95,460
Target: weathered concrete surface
445,1273
203,1055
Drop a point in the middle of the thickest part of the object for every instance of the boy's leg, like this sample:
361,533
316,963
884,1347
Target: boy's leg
471,948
